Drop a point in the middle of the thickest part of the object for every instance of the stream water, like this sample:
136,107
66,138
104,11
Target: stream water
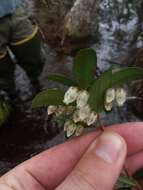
28,133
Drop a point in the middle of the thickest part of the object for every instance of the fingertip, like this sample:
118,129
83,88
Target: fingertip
109,147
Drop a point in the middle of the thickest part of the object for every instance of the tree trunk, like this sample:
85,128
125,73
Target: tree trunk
82,19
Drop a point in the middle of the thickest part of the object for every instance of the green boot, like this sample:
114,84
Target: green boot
29,58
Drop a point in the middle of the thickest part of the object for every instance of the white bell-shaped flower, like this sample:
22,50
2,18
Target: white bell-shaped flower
84,112
79,130
108,106
71,95
51,109
121,96
110,95
76,116
69,128
60,110
82,98
67,123
92,118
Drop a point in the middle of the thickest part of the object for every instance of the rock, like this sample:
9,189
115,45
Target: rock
82,19
50,16
136,59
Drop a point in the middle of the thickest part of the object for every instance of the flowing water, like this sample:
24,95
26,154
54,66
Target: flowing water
28,133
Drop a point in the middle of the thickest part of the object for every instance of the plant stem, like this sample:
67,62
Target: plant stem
135,98
138,186
126,171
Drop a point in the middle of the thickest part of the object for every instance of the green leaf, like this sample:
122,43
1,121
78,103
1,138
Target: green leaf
108,80
48,97
125,182
127,75
97,91
84,65
62,79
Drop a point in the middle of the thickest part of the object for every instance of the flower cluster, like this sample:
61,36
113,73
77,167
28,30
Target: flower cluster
82,113
79,113
78,110
112,95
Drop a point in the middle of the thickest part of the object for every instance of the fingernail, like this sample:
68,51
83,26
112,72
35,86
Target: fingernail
108,147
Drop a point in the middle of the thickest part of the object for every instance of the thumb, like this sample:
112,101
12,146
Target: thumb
100,166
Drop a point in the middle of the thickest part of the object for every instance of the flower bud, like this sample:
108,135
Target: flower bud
121,96
91,119
69,128
71,95
108,106
110,95
82,98
79,130
60,110
51,109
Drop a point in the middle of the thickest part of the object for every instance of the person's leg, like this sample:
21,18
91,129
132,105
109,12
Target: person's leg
26,45
6,65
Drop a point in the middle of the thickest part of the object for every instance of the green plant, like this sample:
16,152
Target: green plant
87,95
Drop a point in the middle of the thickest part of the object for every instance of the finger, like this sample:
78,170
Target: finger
100,166
20,179
68,154
132,133
52,166
49,168
134,163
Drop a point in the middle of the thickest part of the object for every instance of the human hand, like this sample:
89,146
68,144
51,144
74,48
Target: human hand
88,162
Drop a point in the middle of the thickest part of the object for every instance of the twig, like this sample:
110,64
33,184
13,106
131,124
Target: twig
135,98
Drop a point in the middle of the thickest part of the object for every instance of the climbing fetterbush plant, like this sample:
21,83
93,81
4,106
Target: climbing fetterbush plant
87,96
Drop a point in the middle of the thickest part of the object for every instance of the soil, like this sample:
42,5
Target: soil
24,136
